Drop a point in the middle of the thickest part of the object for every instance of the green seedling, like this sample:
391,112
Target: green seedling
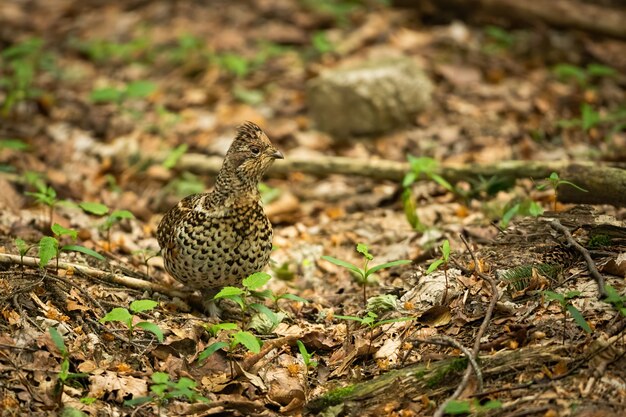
174,156
420,167
525,207
583,76
135,90
246,339
554,182
616,300
43,195
309,364
146,255
49,246
65,377
23,249
473,407
568,307
241,295
112,219
164,389
498,39
370,321
101,51
363,276
444,261
122,315
19,67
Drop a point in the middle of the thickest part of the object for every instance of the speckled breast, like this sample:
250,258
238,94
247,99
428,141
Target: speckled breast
208,253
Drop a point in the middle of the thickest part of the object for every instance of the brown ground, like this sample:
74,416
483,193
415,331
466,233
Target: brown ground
500,94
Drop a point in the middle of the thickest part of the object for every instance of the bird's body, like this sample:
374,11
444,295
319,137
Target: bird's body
217,239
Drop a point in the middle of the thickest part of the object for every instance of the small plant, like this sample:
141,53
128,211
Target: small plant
23,249
164,389
583,76
498,39
554,182
363,276
444,259
420,167
49,246
241,295
135,90
567,306
43,195
246,339
112,219
525,207
370,320
309,364
19,66
146,255
174,156
124,316
617,301
64,376
473,407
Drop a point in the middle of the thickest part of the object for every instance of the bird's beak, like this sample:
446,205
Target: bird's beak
277,154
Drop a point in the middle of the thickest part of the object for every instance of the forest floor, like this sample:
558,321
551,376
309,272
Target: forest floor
102,100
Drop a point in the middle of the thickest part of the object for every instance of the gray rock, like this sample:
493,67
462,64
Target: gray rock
373,98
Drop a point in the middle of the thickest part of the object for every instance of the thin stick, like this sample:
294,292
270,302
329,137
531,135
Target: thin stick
123,280
556,225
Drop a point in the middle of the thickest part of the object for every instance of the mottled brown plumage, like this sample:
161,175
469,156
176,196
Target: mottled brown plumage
217,239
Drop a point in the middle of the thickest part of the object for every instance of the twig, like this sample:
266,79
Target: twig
481,331
556,225
123,280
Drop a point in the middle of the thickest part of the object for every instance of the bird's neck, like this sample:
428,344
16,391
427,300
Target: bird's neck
230,187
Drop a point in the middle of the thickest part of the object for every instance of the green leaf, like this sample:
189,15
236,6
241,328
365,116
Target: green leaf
227,292
106,95
256,280
58,340
140,89
510,213
306,356
160,377
248,340
598,70
142,305
589,116
214,329
153,328
48,249
13,144
71,412
118,314
121,214
571,184
22,246
442,181
82,249
535,209
364,250
551,295
434,266
578,318
344,264
445,250
59,230
88,400
387,265
98,209
137,401
292,297
409,179
174,156
211,349
458,407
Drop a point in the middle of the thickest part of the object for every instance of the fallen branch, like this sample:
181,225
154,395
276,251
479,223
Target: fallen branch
123,280
605,184
556,225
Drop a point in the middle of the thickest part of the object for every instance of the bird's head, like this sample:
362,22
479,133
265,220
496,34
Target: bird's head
249,157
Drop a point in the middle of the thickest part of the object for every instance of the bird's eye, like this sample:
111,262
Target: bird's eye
255,150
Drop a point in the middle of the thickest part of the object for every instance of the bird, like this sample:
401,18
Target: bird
216,239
